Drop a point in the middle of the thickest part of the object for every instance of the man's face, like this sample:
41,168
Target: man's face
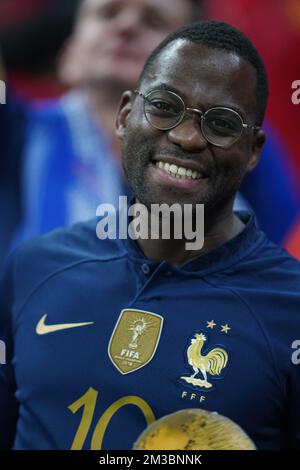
204,78
113,38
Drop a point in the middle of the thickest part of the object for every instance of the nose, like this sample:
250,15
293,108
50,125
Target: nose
188,134
128,20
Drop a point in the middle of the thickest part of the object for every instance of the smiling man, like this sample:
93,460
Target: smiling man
103,337
209,86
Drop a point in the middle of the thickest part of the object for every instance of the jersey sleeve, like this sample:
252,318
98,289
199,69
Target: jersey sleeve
8,402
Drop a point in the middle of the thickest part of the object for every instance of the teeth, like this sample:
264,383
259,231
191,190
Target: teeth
173,169
179,172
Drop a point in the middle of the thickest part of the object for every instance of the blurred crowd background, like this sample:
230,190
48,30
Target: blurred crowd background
66,63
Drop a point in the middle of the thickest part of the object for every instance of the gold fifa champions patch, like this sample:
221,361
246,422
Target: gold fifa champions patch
134,340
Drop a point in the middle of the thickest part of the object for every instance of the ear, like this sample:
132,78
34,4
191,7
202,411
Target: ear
123,112
257,146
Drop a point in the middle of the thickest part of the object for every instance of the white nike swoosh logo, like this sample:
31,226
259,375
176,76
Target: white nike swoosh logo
43,329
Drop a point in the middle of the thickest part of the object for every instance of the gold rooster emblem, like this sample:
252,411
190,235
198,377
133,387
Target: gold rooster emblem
212,363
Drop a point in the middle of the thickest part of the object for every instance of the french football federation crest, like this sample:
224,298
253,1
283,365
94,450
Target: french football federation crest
204,364
134,340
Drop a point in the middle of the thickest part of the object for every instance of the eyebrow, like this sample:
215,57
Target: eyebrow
165,86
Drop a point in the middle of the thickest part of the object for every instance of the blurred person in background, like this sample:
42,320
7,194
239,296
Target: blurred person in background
71,159
31,34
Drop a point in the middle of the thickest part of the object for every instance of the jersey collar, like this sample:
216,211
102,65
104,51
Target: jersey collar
222,257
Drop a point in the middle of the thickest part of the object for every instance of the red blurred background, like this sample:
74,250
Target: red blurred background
274,27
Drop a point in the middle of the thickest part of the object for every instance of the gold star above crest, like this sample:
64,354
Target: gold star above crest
225,328
210,324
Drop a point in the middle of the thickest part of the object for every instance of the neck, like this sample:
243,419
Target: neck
219,228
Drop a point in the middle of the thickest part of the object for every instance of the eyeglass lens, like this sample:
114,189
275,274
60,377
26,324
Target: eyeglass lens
220,126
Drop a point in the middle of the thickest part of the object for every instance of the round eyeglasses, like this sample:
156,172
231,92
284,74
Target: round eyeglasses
220,126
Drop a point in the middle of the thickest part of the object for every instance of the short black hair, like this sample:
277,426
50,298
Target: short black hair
220,35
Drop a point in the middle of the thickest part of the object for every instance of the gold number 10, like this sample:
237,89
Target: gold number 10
88,402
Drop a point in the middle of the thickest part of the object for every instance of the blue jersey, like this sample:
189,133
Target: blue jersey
101,341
